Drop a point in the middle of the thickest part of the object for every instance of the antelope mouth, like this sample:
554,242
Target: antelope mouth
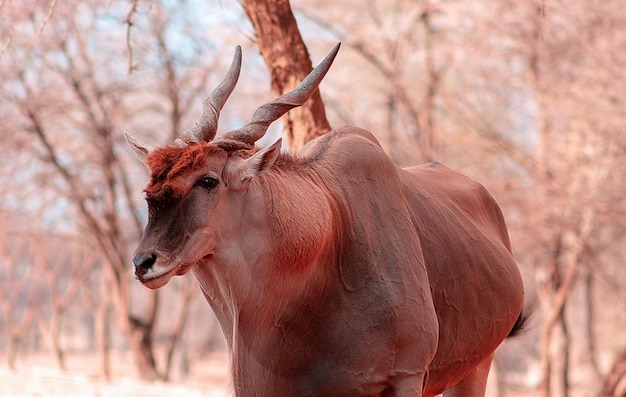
159,280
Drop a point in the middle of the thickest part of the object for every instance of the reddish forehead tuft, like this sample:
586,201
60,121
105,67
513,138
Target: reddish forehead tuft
170,163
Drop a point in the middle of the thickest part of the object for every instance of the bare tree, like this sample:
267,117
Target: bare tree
95,295
16,294
64,273
402,44
547,117
187,291
287,58
67,88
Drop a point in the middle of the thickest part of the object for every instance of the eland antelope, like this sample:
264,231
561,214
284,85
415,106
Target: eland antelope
332,271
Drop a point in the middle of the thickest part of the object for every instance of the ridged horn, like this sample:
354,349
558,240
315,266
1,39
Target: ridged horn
206,128
270,112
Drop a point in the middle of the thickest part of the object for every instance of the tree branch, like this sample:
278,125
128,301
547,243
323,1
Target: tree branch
129,24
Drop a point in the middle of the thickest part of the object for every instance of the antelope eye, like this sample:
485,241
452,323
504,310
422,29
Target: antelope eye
208,182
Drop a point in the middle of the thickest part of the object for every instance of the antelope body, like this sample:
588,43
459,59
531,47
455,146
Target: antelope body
332,272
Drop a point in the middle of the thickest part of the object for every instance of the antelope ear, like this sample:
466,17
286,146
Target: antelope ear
260,162
141,150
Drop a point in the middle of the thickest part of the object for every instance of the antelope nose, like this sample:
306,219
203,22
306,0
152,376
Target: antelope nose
143,263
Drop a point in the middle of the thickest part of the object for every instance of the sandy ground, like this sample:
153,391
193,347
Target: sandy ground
37,376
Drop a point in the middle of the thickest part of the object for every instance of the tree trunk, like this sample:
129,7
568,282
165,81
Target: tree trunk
433,74
555,290
141,345
588,338
615,382
12,352
564,358
186,293
58,351
287,58
52,333
140,339
102,339
16,331
501,384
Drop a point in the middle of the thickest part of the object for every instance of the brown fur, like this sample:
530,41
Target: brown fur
335,273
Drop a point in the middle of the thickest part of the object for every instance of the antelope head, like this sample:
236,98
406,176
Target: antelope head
196,185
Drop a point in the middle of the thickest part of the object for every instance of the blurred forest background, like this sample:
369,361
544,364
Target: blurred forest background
527,97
